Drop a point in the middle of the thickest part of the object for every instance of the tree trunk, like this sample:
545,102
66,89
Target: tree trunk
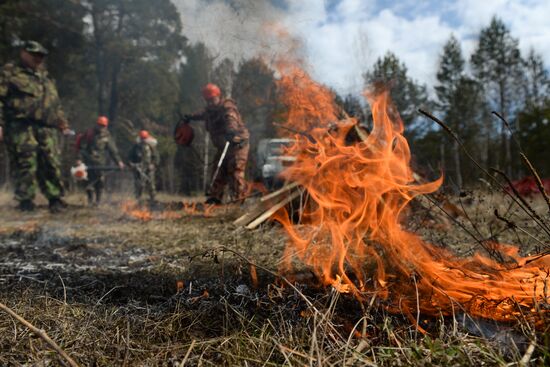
99,61
458,172
113,100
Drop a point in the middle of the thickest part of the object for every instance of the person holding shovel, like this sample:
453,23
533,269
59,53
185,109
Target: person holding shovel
230,137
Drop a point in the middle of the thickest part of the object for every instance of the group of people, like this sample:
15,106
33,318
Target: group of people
94,146
31,117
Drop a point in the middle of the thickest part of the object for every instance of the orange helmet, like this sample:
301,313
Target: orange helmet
210,91
144,134
102,121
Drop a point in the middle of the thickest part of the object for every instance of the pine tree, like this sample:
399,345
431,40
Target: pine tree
254,92
537,86
407,95
450,77
497,65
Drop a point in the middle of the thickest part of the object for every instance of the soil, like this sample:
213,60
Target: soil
114,288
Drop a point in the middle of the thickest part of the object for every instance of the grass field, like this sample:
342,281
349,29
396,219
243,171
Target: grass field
179,289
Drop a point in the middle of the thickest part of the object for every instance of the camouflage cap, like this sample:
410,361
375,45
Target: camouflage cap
34,48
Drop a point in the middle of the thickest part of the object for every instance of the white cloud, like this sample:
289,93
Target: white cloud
342,44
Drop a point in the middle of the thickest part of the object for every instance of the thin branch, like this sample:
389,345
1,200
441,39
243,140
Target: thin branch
41,333
517,198
532,213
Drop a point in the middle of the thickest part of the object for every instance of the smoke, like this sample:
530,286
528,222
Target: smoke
234,29
332,52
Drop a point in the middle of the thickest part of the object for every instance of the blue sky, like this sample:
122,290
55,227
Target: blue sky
341,39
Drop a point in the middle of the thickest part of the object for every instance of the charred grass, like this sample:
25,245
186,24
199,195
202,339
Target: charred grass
114,290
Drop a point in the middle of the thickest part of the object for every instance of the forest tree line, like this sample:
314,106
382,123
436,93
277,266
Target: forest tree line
130,60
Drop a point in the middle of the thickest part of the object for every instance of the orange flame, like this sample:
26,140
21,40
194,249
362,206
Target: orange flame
353,238
134,211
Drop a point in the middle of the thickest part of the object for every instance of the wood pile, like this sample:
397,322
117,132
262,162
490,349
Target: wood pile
272,202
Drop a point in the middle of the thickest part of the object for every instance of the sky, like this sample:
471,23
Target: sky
341,39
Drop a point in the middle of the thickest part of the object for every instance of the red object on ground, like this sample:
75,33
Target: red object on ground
184,134
527,186
144,134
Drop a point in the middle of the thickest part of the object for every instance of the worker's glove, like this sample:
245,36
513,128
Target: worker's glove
186,119
151,167
232,138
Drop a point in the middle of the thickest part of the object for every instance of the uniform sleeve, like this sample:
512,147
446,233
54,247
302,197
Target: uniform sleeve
113,151
56,115
234,126
197,116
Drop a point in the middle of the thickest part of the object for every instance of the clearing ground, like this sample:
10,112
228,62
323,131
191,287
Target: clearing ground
113,287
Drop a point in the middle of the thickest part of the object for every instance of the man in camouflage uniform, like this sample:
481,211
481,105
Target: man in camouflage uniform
144,159
93,149
30,116
224,123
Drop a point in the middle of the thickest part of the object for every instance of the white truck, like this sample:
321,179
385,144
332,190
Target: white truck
271,160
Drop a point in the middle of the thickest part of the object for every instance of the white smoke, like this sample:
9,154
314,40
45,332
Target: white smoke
234,29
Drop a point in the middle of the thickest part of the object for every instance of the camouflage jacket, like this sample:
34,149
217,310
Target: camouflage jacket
95,143
28,95
224,123
144,153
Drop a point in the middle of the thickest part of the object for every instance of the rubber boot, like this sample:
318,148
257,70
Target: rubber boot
26,206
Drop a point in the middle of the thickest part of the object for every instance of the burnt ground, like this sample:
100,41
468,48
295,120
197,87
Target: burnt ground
113,289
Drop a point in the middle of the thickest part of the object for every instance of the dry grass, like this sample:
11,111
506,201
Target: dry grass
103,286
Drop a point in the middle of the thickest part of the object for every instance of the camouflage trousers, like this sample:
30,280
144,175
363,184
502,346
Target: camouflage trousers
231,173
34,159
144,181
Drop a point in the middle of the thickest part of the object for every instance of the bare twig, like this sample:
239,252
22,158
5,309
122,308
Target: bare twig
516,198
41,333
532,213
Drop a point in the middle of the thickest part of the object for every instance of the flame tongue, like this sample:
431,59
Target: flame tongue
353,232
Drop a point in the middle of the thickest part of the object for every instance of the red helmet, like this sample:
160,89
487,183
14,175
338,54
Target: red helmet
144,134
102,121
210,91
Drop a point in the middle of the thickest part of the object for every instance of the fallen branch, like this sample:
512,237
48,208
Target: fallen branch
267,214
281,191
41,333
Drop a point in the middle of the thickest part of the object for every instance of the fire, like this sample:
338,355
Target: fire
353,238
133,210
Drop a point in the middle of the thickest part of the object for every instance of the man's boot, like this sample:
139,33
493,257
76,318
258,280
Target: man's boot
55,206
26,206
213,201
90,195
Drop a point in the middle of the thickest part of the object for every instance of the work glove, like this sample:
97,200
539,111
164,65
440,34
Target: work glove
232,138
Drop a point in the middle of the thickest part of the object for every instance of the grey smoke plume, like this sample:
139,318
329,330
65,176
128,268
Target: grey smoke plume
230,28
